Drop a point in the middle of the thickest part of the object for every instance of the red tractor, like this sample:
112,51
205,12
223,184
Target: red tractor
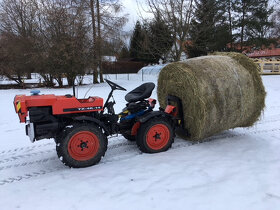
80,127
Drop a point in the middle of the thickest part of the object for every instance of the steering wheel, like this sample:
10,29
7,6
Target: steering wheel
114,86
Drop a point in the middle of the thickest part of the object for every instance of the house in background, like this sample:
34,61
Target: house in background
266,53
271,52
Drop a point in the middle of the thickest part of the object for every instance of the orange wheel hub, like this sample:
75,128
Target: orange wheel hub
158,136
83,146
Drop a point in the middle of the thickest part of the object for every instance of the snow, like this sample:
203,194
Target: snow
150,74
36,78
237,169
109,58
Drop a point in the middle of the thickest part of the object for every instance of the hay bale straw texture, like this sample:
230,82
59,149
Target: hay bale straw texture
218,92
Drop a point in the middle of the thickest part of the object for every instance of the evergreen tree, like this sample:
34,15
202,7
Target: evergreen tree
230,19
136,42
260,25
276,24
150,41
253,21
160,38
209,31
124,53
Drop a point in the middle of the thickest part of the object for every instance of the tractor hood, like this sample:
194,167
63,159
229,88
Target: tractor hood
60,104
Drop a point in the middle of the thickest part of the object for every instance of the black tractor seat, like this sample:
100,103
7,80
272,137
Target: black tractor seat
140,93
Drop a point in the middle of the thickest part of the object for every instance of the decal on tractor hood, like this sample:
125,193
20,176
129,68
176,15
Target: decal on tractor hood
82,109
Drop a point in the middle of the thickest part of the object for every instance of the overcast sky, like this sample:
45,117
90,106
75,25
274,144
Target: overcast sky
131,8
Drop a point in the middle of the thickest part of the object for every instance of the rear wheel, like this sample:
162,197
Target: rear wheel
81,145
155,135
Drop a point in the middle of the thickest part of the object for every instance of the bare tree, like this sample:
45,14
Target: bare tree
230,21
18,17
64,32
177,15
111,19
276,21
106,21
11,64
18,28
93,24
99,41
57,38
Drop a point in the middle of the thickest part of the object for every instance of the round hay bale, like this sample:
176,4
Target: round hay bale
218,92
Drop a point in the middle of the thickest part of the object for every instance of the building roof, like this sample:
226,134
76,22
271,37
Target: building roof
265,53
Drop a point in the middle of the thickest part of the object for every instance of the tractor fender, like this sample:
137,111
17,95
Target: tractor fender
149,115
94,120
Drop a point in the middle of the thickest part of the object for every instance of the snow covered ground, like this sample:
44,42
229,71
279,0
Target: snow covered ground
236,170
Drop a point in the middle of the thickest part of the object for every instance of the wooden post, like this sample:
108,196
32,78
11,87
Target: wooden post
262,68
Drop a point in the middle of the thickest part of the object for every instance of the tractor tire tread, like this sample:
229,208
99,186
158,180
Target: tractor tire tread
64,137
142,131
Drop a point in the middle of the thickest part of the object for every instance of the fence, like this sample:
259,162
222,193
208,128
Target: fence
147,73
269,67
122,67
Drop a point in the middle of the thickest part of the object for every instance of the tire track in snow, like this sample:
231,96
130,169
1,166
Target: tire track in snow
22,149
112,147
115,146
28,176
267,121
25,149
28,155
13,152
272,107
14,158
123,144
273,118
125,157
27,163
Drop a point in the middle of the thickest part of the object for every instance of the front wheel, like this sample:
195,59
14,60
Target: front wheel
155,135
81,145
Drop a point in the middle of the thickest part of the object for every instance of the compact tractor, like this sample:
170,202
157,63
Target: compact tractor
80,127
